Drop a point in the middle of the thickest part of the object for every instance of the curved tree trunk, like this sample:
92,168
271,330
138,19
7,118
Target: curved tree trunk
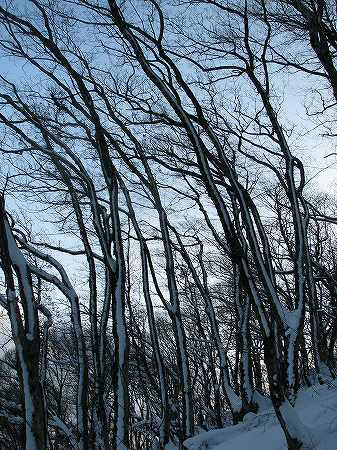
25,334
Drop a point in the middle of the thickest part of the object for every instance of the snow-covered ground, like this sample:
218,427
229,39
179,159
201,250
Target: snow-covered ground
316,407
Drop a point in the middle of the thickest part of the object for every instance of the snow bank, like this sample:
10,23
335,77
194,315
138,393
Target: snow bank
316,407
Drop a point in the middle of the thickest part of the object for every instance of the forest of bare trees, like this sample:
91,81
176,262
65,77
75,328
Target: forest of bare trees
168,258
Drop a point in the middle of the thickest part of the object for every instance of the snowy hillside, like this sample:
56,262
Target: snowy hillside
316,406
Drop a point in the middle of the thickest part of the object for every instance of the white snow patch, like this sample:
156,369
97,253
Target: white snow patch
316,408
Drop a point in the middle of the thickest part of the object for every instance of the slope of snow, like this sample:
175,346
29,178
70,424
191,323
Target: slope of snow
316,407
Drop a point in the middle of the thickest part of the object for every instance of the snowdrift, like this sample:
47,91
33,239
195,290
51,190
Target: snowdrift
316,407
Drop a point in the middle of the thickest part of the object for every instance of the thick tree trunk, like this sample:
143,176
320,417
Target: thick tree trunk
295,432
25,334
